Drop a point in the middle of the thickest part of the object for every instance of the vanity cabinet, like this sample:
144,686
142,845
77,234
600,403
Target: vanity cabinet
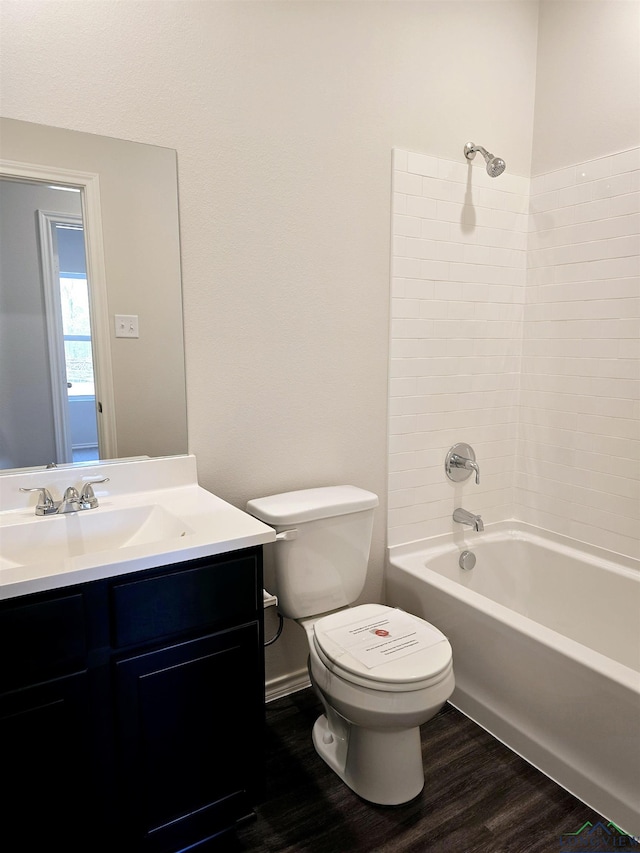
132,709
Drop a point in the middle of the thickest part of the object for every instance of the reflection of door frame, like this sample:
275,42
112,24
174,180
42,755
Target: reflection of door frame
49,256
89,184
53,311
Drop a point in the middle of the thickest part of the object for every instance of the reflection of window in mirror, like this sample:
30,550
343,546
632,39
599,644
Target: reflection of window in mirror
76,332
78,350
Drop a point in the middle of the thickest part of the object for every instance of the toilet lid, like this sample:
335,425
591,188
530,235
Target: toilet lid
383,645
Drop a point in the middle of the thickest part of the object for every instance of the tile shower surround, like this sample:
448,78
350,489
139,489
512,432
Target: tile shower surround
515,327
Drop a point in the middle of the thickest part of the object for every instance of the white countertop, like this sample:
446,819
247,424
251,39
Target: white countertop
201,524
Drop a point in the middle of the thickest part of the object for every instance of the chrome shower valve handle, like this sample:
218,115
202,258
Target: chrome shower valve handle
460,462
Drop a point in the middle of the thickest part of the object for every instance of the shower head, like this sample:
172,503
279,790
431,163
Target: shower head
495,165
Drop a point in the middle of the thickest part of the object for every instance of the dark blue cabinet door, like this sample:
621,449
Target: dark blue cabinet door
46,802
190,729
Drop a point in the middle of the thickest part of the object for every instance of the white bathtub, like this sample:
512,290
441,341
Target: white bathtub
546,651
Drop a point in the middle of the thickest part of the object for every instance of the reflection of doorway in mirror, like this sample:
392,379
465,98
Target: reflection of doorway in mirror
78,351
27,431
69,336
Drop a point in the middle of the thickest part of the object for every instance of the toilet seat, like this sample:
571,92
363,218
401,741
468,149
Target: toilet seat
428,665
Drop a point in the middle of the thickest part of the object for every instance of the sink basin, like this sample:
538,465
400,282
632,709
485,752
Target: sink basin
59,537
152,513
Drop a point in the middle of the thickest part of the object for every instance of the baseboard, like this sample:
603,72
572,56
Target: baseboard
284,685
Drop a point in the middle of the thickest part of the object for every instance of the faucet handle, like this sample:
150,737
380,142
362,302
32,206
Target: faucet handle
46,505
468,464
460,462
87,495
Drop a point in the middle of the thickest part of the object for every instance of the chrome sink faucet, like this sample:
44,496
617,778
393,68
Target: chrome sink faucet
463,516
73,501
70,502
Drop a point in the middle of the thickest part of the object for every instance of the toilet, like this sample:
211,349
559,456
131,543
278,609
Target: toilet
380,673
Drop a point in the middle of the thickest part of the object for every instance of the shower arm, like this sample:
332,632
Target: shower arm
470,151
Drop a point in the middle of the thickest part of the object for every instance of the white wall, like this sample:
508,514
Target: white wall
284,115
579,451
458,291
578,460
588,82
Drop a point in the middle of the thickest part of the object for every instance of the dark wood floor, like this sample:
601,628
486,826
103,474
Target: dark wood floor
478,798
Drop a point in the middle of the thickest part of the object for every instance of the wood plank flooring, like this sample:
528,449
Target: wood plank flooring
479,797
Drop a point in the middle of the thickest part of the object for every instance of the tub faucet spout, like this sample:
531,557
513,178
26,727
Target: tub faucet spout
463,516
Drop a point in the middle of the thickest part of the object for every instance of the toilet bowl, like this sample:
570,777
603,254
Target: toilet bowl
379,672
369,733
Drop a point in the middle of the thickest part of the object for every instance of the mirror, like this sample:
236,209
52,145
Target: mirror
106,321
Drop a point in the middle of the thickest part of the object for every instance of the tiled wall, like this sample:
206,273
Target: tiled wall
578,462
458,286
536,369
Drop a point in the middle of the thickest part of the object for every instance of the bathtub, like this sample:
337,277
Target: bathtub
546,651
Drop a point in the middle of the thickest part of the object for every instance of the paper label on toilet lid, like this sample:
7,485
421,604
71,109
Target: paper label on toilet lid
382,639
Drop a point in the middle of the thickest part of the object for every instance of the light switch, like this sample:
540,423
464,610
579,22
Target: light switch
127,326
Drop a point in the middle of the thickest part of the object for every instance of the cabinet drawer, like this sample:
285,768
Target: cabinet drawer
201,594
41,640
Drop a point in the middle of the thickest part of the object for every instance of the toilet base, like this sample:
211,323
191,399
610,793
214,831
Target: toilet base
383,766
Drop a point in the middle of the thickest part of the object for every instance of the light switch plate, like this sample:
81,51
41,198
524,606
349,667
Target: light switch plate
126,326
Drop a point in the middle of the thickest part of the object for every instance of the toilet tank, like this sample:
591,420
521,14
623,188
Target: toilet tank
322,565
